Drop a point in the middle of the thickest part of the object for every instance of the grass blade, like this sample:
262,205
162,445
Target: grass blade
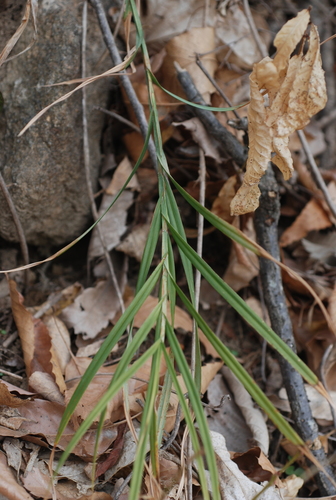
244,310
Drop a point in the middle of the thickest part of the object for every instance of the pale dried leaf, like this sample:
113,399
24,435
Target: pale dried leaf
113,225
228,419
13,449
233,30
233,484
44,384
318,404
260,147
162,22
279,100
181,49
321,247
120,176
201,137
283,158
9,487
60,339
288,38
308,93
252,415
93,309
134,243
291,485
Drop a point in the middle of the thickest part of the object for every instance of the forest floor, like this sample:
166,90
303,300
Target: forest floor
55,316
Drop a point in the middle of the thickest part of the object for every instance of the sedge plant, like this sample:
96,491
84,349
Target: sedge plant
167,229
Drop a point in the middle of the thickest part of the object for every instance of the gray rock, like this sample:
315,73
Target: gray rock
44,169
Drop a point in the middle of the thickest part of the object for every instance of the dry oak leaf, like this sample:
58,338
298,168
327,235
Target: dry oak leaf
296,91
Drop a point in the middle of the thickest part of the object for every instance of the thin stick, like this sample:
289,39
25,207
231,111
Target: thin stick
17,222
267,236
215,84
86,149
254,31
323,379
5,372
124,79
316,173
118,117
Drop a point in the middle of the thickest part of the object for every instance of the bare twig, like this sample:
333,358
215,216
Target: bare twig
174,432
5,372
17,222
322,374
266,224
119,118
226,142
254,31
124,79
215,84
87,167
316,173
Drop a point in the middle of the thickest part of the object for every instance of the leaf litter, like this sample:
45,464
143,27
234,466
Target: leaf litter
286,92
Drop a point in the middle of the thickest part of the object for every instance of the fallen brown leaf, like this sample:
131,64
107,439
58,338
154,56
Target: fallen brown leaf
9,486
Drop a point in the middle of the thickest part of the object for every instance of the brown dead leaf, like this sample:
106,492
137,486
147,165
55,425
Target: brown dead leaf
120,176
9,487
42,418
7,399
255,465
182,49
181,320
60,339
243,264
221,205
134,144
38,352
296,90
137,387
114,454
313,217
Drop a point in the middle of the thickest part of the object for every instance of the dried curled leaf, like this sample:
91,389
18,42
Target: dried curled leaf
296,91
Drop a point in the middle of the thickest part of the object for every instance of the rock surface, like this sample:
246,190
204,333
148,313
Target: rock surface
44,169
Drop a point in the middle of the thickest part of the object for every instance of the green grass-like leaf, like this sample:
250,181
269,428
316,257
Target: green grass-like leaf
244,310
